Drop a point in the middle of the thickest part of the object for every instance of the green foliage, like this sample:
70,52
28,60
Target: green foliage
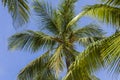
38,69
88,34
45,13
56,61
103,53
112,2
19,10
31,40
67,10
106,13
60,44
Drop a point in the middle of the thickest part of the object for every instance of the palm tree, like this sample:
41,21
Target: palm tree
103,53
56,38
19,10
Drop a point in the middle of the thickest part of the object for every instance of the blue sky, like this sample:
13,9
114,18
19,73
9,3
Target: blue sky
11,62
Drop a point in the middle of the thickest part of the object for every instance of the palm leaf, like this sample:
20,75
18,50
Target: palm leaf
45,13
19,10
31,40
102,12
56,61
75,19
38,69
112,2
105,13
85,41
101,53
86,63
90,30
67,11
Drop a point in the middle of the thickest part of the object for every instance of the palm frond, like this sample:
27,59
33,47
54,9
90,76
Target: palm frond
19,10
85,41
50,75
112,2
75,19
56,61
101,53
31,40
105,13
38,69
90,30
67,11
86,63
46,14
58,20
88,34
83,75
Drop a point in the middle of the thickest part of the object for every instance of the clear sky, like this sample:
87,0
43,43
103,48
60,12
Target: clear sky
11,62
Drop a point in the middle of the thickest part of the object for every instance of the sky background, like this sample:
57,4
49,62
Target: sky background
11,62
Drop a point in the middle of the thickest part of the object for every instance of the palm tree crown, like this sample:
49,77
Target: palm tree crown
56,37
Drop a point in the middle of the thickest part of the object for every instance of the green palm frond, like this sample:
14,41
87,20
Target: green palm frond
19,10
75,19
86,63
83,75
31,40
49,76
38,69
67,11
105,13
56,61
85,41
90,30
112,2
46,14
101,53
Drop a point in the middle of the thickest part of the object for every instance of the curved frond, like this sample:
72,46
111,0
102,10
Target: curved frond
46,14
104,13
88,34
75,19
85,41
67,11
86,63
56,61
31,40
19,10
112,2
101,53
38,69
90,30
